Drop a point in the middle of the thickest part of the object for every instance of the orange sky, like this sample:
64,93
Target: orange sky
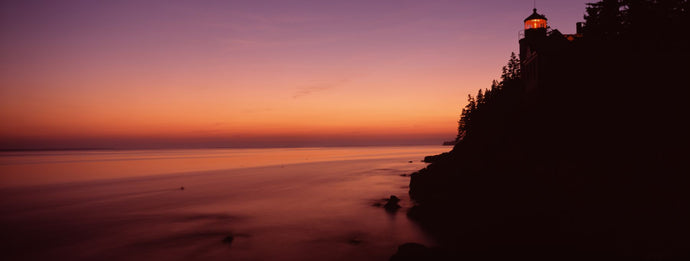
76,74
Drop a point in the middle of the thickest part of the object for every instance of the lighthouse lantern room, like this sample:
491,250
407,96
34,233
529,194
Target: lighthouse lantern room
535,21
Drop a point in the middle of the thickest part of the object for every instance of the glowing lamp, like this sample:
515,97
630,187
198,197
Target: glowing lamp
535,21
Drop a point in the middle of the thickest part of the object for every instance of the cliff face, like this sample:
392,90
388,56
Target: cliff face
593,167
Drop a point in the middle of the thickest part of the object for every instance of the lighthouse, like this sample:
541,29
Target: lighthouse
535,38
544,52
535,25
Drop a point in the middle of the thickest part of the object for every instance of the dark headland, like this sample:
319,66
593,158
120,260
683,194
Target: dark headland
579,152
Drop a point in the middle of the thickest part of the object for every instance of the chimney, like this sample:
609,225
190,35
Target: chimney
578,28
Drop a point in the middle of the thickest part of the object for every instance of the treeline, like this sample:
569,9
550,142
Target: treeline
478,106
635,21
592,167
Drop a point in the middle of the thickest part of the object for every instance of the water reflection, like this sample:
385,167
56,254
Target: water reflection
46,167
315,209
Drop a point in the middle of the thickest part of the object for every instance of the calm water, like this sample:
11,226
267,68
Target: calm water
280,204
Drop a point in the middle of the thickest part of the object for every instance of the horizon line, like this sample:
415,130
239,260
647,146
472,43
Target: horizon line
217,147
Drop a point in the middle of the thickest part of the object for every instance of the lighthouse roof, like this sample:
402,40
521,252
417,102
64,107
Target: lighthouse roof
535,15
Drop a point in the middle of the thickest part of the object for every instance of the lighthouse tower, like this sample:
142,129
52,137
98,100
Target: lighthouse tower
535,25
531,45
535,34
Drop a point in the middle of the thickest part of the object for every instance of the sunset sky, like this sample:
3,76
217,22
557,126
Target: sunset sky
149,74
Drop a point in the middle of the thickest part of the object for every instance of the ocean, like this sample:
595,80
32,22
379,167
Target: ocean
210,204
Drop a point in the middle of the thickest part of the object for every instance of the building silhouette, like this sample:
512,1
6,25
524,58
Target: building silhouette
544,51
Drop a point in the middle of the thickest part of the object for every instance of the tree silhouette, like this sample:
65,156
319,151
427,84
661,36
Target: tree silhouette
512,70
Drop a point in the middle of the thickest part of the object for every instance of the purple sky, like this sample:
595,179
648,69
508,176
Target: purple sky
194,73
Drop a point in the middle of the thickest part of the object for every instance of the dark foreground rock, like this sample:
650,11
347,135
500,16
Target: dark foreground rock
415,252
434,158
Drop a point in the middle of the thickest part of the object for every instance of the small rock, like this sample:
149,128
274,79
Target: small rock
228,240
181,188
410,161
392,204
354,241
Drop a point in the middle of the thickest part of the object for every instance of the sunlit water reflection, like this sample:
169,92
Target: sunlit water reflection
279,204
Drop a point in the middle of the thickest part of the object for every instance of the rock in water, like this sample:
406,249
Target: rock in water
228,240
392,204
